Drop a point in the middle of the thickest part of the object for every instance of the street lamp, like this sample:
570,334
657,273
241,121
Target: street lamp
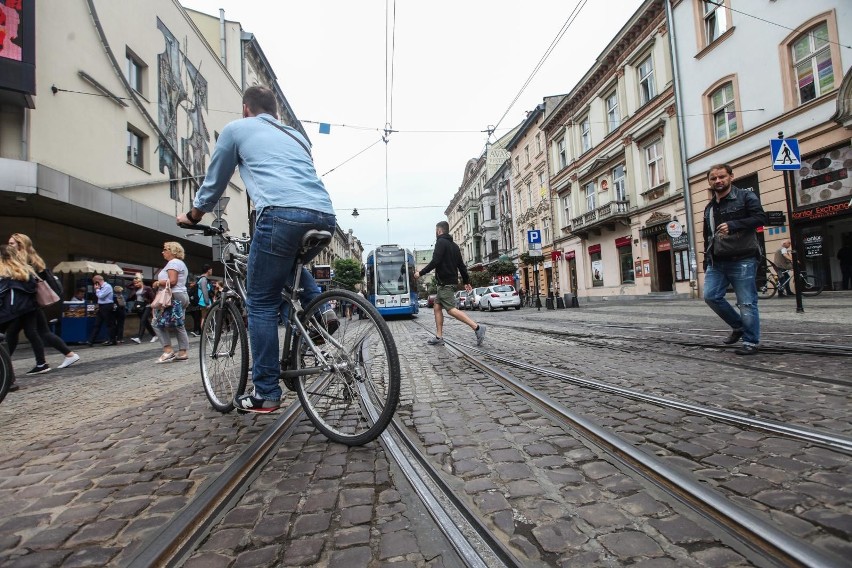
355,212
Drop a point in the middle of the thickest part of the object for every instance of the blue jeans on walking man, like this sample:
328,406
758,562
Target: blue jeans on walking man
741,275
275,244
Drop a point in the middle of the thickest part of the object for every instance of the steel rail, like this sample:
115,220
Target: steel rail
177,539
422,475
832,441
741,524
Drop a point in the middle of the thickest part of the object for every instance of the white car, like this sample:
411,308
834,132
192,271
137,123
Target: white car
500,296
423,303
473,298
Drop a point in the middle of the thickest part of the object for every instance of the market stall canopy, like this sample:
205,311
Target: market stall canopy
86,267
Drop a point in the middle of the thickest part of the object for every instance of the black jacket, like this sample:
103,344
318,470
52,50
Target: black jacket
447,262
742,211
16,298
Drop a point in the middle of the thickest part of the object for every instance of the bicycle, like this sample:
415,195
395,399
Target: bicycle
346,372
811,286
7,372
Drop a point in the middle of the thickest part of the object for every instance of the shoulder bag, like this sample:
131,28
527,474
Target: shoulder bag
163,299
735,244
45,296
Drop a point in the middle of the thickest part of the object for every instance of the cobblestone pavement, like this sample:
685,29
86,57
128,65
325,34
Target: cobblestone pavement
98,456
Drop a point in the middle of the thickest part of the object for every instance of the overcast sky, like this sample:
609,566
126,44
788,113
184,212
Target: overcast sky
457,66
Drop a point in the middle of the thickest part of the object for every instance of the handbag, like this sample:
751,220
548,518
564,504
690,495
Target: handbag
45,296
163,299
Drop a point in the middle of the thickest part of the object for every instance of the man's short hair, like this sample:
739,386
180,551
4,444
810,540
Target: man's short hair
260,99
205,268
725,167
444,226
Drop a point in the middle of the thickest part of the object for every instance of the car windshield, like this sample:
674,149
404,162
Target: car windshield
503,289
479,291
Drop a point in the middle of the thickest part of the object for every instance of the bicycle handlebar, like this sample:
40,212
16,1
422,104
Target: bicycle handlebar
207,230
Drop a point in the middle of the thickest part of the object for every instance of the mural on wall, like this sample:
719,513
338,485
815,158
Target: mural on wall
11,46
179,98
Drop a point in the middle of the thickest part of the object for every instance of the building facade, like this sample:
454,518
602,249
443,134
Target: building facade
794,80
615,170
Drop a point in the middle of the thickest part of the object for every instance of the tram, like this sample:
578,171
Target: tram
390,280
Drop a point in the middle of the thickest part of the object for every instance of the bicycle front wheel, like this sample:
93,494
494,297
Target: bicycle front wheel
353,397
224,355
811,286
7,372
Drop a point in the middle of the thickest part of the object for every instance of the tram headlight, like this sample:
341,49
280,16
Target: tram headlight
380,302
405,300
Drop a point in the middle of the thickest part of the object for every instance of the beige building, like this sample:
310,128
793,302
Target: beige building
131,97
795,79
615,170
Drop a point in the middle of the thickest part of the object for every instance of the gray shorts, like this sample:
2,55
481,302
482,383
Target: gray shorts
446,297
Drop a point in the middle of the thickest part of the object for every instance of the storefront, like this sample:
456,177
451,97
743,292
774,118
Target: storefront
822,215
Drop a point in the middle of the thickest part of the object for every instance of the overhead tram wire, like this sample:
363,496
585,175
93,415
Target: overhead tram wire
570,20
390,34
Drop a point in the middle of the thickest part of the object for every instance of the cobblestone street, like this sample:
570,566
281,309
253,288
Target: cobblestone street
97,457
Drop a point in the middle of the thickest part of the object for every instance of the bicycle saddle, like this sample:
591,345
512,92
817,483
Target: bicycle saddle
313,241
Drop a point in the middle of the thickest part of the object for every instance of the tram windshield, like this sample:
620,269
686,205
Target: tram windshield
391,272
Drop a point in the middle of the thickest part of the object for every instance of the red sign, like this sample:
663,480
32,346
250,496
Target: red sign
637,268
593,249
664,245
821,211
507,279
569,254
622,242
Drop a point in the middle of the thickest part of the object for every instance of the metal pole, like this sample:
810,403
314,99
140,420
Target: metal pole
793,240
687,196
537,290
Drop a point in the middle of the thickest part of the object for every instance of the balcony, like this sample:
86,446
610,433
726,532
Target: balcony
604,217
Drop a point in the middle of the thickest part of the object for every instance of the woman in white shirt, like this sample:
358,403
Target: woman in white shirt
174,274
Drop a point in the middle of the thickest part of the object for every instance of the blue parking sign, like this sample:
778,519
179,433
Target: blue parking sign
534,237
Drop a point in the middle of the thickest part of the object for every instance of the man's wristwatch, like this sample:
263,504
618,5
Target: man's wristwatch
191,218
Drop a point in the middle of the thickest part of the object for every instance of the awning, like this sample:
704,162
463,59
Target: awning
87,267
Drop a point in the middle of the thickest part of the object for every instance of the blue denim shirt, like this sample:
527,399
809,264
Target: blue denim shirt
275,168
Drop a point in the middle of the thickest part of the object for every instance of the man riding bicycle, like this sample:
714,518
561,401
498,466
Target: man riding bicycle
290,200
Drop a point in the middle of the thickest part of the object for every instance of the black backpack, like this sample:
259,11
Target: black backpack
16,298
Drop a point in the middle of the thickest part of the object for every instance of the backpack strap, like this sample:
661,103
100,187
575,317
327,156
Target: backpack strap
290,134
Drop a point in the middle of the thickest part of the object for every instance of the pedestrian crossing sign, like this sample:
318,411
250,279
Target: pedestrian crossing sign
785,154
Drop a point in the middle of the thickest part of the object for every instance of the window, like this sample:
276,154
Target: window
545,233
562,153
585,134
681,265
812,65
527,155
724,112
647,89
715,20
566,211
612,117
597,268
654,162
542,187
517,165
135,147
493,211
538,143
529,194
625,262
134,72
618,183
590,196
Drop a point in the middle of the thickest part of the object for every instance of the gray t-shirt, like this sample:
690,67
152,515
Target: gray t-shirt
175,264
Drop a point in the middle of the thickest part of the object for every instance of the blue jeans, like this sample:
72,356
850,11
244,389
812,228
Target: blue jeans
741,274
272,255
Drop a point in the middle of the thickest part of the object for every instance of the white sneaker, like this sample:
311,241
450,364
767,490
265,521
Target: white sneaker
136,340
154,339
70,360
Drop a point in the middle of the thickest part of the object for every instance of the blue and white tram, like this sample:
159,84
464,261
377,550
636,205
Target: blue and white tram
390,280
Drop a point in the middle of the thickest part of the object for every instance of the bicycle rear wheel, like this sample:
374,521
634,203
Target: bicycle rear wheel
353,398
7,372
767,289
224,355
811,285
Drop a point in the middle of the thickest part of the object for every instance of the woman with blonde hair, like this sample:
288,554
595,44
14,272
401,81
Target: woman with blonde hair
27,253
18,303
174,275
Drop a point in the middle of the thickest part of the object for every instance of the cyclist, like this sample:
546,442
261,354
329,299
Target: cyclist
784,261
290,199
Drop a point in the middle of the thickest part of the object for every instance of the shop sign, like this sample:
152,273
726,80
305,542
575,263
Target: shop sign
506,279
664,245
813,246
681,242
821,212
570,254
776,219
594,249
824,177
674,229
622,242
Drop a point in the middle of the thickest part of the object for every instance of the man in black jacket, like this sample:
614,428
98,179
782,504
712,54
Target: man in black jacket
447,263
732,256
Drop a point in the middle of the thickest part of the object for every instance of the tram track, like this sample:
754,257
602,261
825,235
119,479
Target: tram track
758,535
604,341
